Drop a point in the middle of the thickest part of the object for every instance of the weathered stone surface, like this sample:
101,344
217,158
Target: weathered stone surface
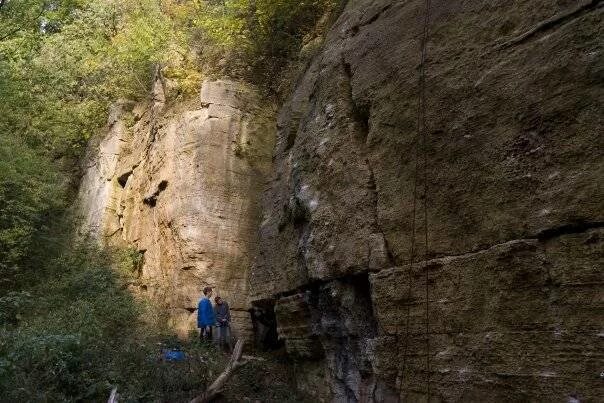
518,321
97,188
513,137
182,187
512,158
295,327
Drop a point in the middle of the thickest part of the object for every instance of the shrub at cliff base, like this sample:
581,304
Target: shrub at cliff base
69,328
79,332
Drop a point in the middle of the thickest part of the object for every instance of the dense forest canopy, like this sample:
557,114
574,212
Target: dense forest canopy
62,64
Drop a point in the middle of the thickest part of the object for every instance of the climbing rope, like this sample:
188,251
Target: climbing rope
421,134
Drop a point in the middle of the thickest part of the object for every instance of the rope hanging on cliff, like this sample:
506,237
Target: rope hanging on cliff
421,134
422,130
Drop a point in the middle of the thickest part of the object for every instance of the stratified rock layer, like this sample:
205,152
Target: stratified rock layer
511,175
182,188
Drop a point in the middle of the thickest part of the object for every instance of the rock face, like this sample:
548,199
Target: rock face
462,262
181,187
504,300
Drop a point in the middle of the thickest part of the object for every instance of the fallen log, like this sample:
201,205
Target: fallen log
214,389
114,397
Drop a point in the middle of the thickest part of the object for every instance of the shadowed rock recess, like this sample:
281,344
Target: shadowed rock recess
504,303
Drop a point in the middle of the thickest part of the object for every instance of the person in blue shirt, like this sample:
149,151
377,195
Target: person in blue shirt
205,315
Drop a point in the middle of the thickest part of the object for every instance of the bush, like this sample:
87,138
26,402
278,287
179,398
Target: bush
31,191
254,39
78,332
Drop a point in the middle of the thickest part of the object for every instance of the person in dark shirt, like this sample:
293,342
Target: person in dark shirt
223,323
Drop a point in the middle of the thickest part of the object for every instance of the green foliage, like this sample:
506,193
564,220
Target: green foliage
79,332
56,84
259,37
30,194
63,62
130,260
19,16
11,306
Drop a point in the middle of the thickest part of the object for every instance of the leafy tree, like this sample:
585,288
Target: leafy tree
256,39
18,16
30,193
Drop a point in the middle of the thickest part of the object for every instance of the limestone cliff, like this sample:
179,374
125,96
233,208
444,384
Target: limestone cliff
182,186
504,302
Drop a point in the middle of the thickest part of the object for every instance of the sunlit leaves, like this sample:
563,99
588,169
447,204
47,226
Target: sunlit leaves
17,16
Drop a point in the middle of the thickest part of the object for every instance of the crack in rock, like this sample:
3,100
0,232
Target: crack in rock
557,21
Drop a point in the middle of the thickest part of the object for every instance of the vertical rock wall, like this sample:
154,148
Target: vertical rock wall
181,187
504,302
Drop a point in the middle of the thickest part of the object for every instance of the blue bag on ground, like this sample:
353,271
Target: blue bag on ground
174,355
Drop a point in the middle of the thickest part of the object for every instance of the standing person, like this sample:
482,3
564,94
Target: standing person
205,315
223,322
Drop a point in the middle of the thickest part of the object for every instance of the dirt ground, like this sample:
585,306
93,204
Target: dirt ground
266,378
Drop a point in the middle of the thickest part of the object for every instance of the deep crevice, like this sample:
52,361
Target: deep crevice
377,227
151,200
153,133
264,323
342,314
361,111
354,30
123,178
567,229
292,132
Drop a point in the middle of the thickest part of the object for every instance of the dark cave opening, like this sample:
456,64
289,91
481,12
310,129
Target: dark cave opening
264,322
151,200
123,178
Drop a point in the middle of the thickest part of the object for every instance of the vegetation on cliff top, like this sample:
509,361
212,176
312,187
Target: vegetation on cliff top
68,327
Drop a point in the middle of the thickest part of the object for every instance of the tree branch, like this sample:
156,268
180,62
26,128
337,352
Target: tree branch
114,397
219,383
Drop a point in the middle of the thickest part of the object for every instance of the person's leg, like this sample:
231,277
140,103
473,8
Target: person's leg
227,336
220,330
219,336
